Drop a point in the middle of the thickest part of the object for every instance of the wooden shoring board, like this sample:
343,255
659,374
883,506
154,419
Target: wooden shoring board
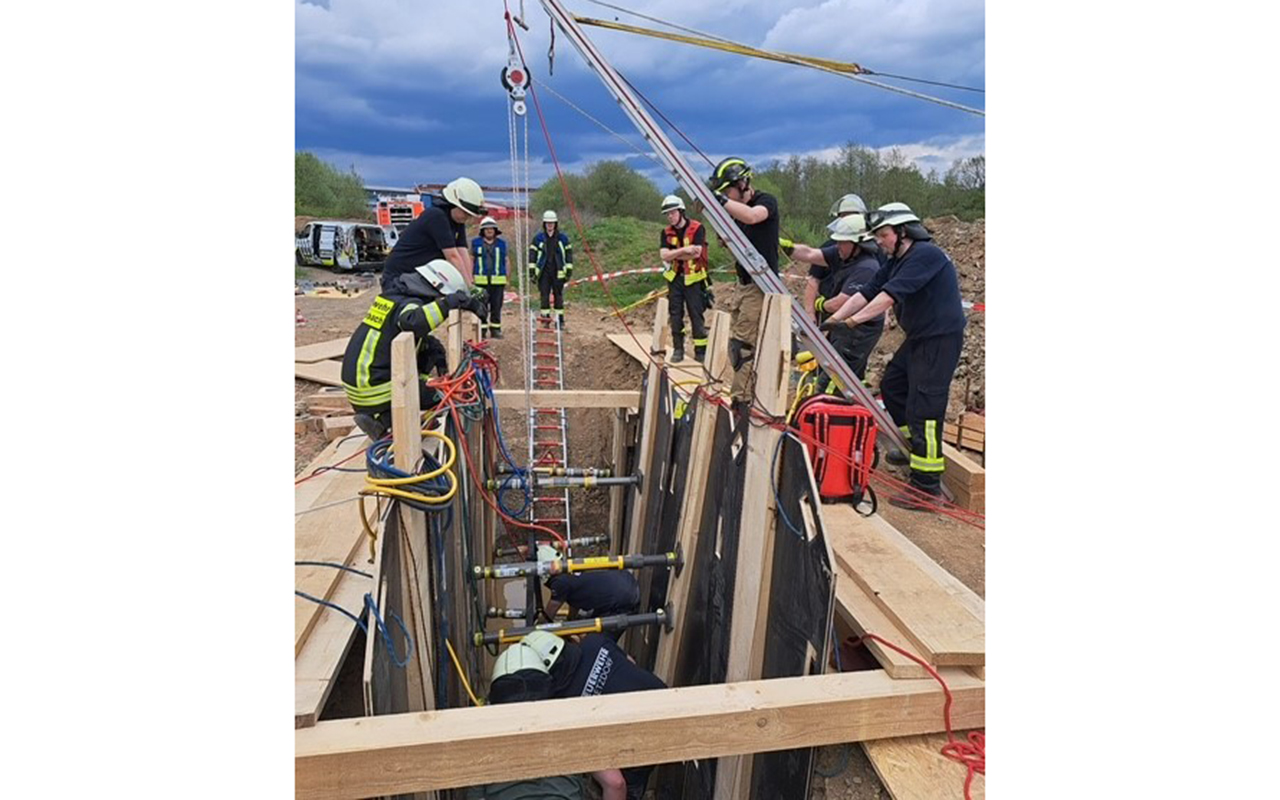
704,430
753,584
861,614
467,746
333,534
406,433
617,494
648,425
581,398
317,664
929,612
964,476
327,372
321,351
689,370
913,768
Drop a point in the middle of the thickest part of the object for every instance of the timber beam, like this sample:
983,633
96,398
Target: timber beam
402,753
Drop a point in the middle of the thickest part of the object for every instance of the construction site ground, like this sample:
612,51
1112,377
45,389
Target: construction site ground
592,362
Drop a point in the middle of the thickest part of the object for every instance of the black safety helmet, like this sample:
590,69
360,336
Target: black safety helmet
729,171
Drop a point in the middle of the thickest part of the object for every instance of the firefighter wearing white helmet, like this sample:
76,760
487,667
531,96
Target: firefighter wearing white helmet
489,254
920,282
756,214
595,665
845,265
419,302
683,249
594,593
550,264
521,674
438,232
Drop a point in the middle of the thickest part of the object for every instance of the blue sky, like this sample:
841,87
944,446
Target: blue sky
407,91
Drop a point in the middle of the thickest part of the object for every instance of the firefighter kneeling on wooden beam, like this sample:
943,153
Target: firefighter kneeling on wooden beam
419,302
683,249
920,282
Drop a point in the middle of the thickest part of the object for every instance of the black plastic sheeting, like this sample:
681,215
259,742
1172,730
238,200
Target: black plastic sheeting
642,642
797,640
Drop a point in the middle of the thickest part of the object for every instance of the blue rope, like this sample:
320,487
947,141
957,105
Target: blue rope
522,475
330,564
386,634
773,484
334,606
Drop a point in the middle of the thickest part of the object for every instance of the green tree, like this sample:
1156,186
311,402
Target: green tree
320,190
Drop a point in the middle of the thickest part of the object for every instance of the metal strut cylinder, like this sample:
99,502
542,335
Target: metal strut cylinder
544,569
577,627
585,482
581,541
571,472
493,612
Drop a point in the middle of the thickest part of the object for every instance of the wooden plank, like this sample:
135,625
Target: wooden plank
913,768
316,666
465,746
617,494
327,372
944,630
638,348
337,427
974,422
703,438
754,571
331,534
321,351
648,434
406,433
552,398
963,471
861,614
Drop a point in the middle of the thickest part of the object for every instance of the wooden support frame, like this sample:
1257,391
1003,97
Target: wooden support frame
704,428
467,746
553,398
644,452
753,584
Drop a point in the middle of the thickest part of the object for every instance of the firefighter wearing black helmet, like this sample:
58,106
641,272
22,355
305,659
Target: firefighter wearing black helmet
920,282
756,213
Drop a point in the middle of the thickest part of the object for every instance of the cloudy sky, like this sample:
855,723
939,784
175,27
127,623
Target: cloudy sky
408,91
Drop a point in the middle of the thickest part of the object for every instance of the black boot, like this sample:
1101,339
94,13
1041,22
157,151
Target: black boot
677,354
896,457
495,333
700,353
918,500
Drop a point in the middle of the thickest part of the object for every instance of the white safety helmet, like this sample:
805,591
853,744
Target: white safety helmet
488,222
548,553
443,276
466,194
892,214
550,216
515,658
852,228
671,203
545,645
849,204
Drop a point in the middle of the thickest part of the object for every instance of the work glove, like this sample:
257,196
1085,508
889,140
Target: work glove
435,357
721,197
711,298
830,325
465,301
787,246
568,271
533,272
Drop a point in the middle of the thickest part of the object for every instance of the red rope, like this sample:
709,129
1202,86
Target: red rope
971,753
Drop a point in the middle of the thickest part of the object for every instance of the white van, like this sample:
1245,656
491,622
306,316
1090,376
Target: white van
343,245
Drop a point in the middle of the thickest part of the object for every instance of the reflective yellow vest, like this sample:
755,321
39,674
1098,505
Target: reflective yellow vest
695,270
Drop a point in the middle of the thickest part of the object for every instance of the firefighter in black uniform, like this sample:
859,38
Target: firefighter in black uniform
849,263
920,282
594,593
683,248
420,303
438,232
551,264
519,676
597,665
